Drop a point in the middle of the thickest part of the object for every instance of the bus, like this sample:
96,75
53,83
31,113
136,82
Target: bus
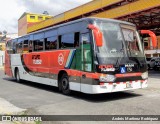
89,55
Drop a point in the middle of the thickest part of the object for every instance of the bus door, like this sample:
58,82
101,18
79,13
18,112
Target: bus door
86,58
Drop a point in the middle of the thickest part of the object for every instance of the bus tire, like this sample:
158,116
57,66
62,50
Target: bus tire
17,76
64,84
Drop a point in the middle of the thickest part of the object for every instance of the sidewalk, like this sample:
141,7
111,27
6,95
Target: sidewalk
7,108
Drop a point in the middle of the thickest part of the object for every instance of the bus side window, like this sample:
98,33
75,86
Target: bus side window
19,47
14,47
67,41
30,46
41,45
51,43
35,43
25,46
38,45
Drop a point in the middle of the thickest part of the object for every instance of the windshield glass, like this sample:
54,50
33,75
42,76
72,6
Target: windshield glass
132,41
112,40
117,38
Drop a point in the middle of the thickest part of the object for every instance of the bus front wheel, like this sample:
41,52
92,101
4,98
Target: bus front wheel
17,76
64,84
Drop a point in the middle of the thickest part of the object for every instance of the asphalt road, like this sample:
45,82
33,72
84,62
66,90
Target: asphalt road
42,99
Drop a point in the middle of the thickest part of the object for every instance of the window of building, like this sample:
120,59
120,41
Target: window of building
51,43
40,18
47,18
32,17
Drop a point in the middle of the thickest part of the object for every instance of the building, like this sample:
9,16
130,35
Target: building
28,19
149,50
144,13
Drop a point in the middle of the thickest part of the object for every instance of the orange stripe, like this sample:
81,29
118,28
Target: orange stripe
128,75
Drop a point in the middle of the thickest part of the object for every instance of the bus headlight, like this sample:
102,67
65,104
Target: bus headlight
107,78
144,75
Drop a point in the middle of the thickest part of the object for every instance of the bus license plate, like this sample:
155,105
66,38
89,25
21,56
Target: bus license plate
128,85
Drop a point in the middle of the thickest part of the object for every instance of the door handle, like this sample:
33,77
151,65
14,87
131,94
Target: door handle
83,76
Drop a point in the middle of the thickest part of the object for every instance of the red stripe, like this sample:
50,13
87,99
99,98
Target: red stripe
128,75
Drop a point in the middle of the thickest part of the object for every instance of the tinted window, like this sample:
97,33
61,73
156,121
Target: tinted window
32,17
25,46
67,41
38,45
30,46
14,47
19,46
40,18
51,43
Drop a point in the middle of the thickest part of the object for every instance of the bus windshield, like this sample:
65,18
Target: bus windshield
119,38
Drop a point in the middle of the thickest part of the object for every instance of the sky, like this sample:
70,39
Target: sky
11,10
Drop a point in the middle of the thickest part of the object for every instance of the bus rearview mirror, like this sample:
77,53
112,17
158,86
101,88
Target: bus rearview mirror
97,35
152,35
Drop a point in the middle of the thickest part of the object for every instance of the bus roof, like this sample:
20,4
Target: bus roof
88,19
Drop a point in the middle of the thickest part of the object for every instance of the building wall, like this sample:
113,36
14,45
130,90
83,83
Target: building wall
22,26
29,19
150,52
158,39
149,42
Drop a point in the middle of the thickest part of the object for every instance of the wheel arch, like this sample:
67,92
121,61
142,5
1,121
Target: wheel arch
61,73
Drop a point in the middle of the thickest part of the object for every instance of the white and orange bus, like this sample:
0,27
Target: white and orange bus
90,55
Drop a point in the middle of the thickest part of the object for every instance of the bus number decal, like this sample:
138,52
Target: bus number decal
36,59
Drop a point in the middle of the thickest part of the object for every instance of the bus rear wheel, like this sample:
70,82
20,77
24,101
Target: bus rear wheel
64,84
17,76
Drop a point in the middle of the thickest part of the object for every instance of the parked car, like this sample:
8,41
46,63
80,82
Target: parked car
157,64
151,62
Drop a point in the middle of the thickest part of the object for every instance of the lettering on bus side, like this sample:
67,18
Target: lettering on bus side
36,59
